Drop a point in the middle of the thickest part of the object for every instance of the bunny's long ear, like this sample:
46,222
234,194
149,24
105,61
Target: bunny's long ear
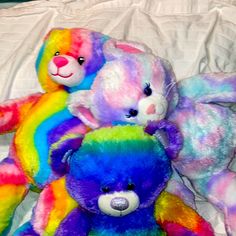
116,48
168,134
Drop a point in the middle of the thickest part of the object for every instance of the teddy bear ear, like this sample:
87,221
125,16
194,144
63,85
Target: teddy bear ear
168,134
61,152
52,30
114,49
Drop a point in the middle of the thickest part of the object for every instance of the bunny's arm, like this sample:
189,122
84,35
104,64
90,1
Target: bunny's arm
209,88
13,111
176,218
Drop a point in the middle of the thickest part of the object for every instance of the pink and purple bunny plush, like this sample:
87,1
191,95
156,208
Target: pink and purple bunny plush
138,87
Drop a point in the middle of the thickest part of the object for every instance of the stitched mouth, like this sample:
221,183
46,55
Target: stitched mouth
63,76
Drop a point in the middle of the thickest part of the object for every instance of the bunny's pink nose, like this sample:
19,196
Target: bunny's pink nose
151,109
60,61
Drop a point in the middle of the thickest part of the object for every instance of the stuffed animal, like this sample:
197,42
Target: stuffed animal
139,91
115,177
68,61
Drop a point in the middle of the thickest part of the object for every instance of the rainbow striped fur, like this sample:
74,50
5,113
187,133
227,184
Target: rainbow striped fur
68,60
115,176
148,92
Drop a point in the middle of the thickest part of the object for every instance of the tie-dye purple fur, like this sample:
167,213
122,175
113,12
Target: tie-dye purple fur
60,155
97,53
75,224
55,134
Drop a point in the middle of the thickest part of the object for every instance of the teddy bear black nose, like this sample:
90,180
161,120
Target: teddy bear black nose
119,203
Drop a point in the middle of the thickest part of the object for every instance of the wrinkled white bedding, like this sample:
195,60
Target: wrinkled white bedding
194,35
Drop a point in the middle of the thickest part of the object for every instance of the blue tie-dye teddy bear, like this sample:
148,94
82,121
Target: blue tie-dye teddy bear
114,186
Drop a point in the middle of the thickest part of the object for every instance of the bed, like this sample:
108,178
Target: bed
195,36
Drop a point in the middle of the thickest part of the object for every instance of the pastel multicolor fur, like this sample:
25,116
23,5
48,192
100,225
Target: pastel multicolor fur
139,91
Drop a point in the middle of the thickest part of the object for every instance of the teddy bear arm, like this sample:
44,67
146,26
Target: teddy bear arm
13,111
76,223
207,88
176,218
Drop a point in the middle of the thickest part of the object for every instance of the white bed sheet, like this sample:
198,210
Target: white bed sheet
194,35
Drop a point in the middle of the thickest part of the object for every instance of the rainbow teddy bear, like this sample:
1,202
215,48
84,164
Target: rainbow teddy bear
68,60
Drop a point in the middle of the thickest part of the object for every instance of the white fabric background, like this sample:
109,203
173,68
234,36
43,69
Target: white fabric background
194,35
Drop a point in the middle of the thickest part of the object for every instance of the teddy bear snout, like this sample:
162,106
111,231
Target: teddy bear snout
119,203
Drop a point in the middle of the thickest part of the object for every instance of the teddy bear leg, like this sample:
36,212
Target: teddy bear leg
177,187
53,205
220,189
13,188
176,218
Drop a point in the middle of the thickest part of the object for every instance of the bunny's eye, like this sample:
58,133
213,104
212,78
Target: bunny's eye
57,53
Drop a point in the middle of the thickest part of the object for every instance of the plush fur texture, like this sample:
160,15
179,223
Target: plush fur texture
111,167
208,128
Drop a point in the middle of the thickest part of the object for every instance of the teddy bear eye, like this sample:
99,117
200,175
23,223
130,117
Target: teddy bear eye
57,53
130,186
106,189
147,90
132,113
81,60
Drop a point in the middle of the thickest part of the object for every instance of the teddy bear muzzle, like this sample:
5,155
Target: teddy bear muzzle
118,203
65,70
